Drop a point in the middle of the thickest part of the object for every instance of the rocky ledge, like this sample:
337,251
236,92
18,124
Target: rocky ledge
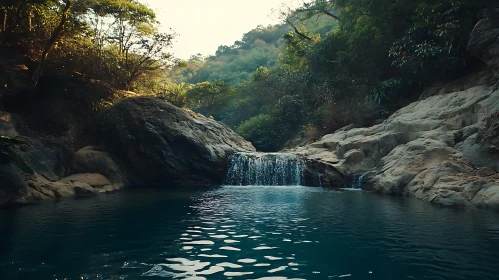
141,142
168,146
443,149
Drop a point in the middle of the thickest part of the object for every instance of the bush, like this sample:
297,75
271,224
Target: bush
435,44
389,94
176,94
261,132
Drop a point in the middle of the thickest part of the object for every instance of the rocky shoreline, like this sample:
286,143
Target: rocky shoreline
441,149
142,141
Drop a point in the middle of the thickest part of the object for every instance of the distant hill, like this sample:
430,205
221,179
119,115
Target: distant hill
237,63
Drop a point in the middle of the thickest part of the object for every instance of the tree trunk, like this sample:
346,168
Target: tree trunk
4,20
50,43
30,14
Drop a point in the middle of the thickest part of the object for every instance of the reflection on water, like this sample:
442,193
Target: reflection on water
248,233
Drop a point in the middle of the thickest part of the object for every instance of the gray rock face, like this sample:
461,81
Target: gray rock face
441,149
13,187
488,135
167,146
160,143
50,161
95,160
484,39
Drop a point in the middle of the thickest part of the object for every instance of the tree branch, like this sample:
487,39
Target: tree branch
50,42
320,11
298,31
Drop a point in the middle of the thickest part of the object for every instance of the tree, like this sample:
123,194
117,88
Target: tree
210,98
51,41
139,47
309,10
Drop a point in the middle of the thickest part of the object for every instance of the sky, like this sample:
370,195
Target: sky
203,25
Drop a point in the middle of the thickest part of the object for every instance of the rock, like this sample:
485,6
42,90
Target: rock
40,189
91,159
163,144
488,134
488,196
84,191
319,173
441,149
12,186
484,39
49,160
110,188
400,167
93,179
168,146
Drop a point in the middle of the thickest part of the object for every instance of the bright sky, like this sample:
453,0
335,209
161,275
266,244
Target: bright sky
203,25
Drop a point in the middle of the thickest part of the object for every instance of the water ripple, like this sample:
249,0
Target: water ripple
269,233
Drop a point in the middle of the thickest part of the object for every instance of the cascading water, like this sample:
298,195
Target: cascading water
260,169
357,182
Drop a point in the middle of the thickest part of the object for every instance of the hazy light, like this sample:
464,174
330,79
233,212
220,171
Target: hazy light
203,25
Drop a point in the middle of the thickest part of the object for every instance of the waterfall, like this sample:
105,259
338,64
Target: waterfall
260,169
357,182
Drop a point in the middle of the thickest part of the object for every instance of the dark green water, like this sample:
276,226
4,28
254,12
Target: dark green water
248,233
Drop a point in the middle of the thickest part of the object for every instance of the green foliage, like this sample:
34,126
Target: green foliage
210,98
331,64
175,94
261,74
436,42
260,47
268,132
260,130
336,63
387,91
6,141
115,41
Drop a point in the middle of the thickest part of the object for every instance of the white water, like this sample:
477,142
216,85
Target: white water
261,169
357,182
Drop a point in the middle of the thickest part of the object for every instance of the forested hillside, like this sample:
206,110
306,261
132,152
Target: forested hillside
330,64
237,63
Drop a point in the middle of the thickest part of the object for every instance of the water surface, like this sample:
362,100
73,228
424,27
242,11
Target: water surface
248,233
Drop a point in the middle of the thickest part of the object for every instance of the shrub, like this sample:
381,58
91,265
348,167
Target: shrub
260,131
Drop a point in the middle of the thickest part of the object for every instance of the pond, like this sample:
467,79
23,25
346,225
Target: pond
247,232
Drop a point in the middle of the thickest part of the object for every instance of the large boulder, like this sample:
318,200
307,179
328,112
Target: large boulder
168,146
13,187
93,159
160,143
40,166
484,39
442,149
488,135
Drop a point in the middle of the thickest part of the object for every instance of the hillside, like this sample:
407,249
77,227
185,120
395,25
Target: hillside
330,65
